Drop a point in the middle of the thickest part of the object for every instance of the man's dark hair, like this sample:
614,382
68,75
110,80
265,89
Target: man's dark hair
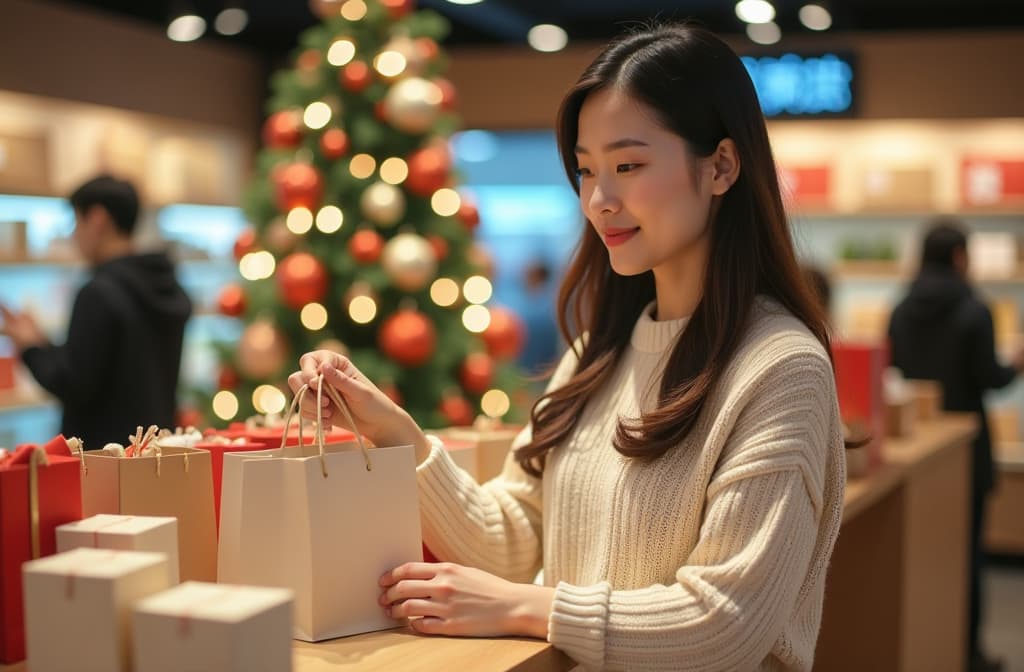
945,235
117,197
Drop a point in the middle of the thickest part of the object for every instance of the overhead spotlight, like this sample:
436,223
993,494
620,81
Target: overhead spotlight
764,33
815,17
465,2
755,11
547,37
186,28
231,21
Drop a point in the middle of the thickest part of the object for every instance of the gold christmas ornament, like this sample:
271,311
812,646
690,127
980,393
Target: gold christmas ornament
262,351
409,261
406,46
382,203
413,105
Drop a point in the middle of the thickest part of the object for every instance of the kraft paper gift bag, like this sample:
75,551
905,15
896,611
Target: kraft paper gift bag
209,627
326,521
78,607
39,490
159,481
156,534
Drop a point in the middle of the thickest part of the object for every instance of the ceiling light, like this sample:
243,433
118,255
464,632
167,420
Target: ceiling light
755,11
231,21
764,33
186,28
815,17
465,2
547,37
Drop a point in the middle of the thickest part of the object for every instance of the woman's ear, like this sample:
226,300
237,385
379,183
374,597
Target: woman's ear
726,167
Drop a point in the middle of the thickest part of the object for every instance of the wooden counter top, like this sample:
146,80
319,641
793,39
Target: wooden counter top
902,455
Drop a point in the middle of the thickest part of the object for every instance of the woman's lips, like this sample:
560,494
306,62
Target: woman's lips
613,237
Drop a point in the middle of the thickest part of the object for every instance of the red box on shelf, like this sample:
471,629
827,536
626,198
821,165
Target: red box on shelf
859,370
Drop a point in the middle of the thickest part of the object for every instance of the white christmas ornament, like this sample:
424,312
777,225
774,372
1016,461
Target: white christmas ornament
382,203
409,261
413,104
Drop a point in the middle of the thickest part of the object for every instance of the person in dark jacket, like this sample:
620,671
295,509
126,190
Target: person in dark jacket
119,366
942,331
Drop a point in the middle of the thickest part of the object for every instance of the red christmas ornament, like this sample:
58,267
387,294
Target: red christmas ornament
427,48
397,8
449,97
245,244
231,301
440,246
298,185
309,59
334,143
408,337
428,170
469,214
457,411
366,246
477,373
227,379
301,279
505,335
282,130
355,76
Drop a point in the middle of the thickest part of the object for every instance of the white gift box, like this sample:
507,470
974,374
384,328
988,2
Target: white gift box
78,607
214,627
156,534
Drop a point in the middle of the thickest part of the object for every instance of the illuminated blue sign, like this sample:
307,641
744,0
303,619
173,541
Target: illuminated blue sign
792,85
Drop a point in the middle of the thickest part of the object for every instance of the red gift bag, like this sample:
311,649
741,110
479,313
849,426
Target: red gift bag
217,451
40,488
859,385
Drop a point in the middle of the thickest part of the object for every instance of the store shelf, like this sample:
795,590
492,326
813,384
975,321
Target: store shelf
892,271
16,400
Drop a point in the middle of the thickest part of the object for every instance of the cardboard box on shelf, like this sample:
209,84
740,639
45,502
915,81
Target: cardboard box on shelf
78,606
214,628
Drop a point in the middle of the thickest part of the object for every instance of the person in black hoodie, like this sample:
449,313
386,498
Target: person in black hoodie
119,366
942,331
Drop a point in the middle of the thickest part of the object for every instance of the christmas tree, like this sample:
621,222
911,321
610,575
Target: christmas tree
360,242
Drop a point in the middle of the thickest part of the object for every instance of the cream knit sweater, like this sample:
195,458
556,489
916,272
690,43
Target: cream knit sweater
712,557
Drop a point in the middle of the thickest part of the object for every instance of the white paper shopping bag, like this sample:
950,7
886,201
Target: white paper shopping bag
325,521
209,627
156,534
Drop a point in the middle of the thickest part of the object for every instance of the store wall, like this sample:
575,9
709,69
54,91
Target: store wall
72,54
938,75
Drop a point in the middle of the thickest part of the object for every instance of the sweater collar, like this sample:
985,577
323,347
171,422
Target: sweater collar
650,335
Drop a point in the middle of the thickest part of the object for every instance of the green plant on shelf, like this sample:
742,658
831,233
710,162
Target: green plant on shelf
860,249
360,242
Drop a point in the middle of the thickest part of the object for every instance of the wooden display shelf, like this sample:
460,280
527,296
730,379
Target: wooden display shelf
1004,526
876,269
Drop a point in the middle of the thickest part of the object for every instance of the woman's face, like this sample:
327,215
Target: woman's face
640,187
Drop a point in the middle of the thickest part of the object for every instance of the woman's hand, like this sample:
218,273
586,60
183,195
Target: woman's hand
376,417
448,599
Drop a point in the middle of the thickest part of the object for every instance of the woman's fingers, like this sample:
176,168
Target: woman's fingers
410,571
432,625
416,608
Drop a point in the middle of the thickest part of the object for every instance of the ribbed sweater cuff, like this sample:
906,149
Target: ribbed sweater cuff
438,478
579,619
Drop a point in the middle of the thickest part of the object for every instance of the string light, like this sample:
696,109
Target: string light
329,219
477,289
495,403
341,52
445,202
394,170
389,63
313,316
317,115
268,399
362,166
476,318
353,10
362,309
225,405
299,220
257,265
444,292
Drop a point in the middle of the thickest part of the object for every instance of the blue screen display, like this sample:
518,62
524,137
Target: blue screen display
793,85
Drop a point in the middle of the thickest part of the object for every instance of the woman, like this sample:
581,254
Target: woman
685,468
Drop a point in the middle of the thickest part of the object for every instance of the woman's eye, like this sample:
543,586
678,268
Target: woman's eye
626,167
582,172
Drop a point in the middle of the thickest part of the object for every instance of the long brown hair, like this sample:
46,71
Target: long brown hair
700,90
